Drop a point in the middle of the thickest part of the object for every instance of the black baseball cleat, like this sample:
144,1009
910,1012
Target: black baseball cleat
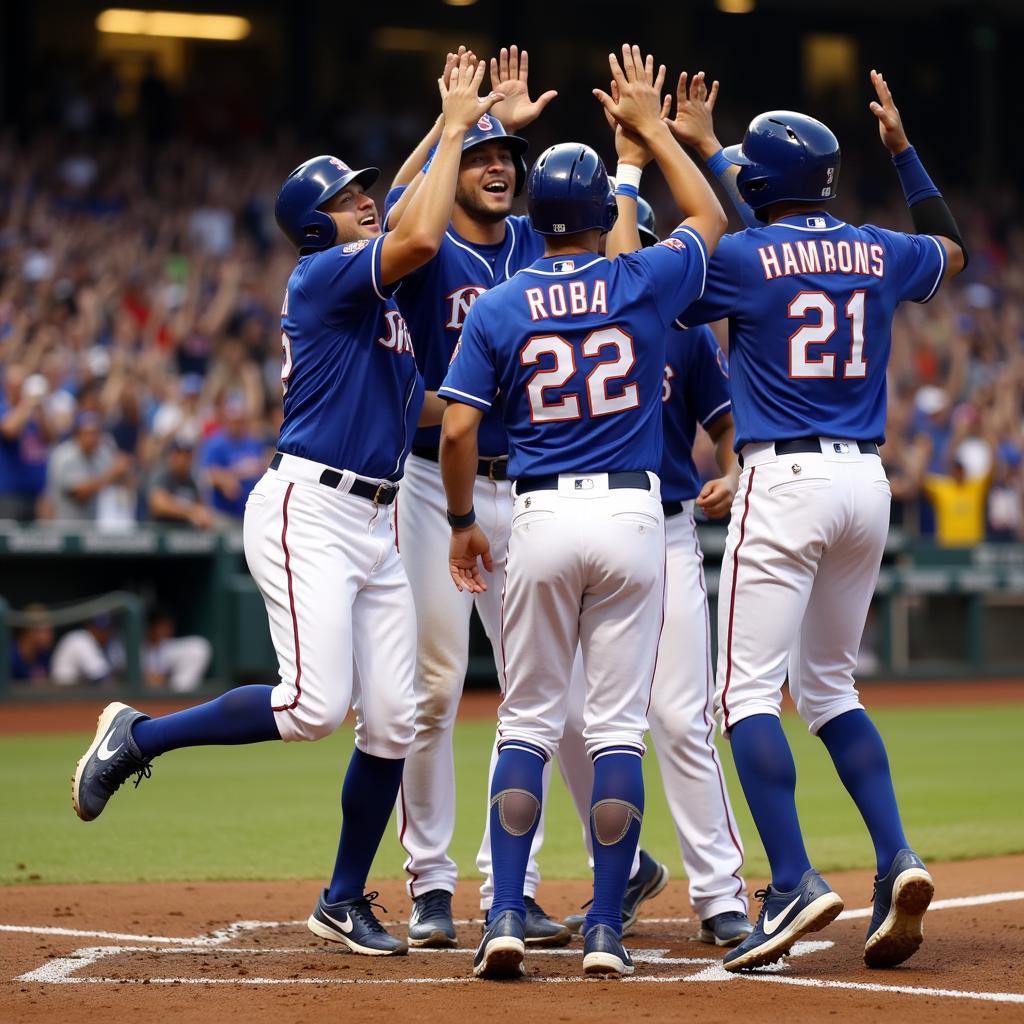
785,917
901,898
604,954
541,930
501,950
729,928
352,923
430,924
108,762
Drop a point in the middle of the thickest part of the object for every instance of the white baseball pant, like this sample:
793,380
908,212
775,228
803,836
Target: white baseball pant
586,569
340,608
682,726
426,805
801,562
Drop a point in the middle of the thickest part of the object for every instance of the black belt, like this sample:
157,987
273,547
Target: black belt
495,468
379,494
672,508
799,445
637,480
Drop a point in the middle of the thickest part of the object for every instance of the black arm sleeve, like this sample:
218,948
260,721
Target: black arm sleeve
932,216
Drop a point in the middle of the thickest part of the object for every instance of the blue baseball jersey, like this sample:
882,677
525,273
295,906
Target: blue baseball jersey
352,392
436,298
696,390
575,345
810,302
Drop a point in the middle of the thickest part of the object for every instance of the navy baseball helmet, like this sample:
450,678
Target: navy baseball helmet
305,190
490,129
568,191
645,222
786,157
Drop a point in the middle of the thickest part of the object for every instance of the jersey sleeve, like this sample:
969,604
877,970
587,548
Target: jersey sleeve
347,276
707,377
920,264
675,269
722,287
471,377
390,199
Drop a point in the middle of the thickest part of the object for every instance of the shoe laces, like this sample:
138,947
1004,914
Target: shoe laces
533,907
123,766
362,908
433,903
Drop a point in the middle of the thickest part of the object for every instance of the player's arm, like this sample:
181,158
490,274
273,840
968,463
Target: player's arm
459,457
433,410
716,496
639,110
694,125
418,236
928,209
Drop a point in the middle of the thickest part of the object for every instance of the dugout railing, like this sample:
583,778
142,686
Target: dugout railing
935,612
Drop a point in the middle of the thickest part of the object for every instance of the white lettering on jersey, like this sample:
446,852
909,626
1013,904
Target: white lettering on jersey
552,301
666,384
821,256
398,336
459,302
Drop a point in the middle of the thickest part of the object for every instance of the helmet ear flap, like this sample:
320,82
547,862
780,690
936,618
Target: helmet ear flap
521,172
319,232
611,212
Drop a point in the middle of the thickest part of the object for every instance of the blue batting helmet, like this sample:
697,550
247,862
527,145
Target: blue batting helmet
490,129
786,157
568,191
305,190
645,222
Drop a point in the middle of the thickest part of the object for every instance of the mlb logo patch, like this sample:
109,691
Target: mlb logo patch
350,247
841,448
485,124
563,266
341,165
584,484
817,223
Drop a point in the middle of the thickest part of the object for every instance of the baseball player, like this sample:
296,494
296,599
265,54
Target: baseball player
695,390
575,347
318,527
482,247
810,302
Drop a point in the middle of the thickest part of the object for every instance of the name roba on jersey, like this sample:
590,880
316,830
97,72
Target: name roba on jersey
398,337
573,298
821,256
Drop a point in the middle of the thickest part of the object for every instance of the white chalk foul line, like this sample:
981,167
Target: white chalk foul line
951,904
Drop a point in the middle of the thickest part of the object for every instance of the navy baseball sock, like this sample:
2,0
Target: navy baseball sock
766,769
859,755
517,791
241,715
616,813
367,798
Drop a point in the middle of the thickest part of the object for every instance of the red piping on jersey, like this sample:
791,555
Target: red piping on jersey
413,876
397,548
709,721
732,597
291,603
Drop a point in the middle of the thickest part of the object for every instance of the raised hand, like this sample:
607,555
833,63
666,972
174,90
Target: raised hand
451,62
510,72
694,122
890,125
463,105
629,147
638,107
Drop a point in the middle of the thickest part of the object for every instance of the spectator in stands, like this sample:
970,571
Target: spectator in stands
176,664
23,443
32,647
959,504
82,473
174,495
87,655
234,459
1005,512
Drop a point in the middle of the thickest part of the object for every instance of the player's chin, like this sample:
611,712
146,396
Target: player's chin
499,204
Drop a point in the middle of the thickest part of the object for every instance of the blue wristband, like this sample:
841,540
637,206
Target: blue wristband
629,191
717,164
913,177
430,158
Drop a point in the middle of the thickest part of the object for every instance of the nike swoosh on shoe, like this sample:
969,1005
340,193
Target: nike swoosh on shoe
772,923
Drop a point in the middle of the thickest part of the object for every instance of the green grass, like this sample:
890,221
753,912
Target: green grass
272,811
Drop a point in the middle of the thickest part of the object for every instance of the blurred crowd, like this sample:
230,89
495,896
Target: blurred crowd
140,354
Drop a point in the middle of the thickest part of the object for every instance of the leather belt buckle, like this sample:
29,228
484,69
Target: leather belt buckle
382,490
491,463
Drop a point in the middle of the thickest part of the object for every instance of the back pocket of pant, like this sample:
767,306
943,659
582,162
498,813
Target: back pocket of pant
804,484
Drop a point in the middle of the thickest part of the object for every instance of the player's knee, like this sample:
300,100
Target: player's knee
437,698
312,723
518,810
611,820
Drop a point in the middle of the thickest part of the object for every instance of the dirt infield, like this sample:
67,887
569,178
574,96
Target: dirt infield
240,951
80,716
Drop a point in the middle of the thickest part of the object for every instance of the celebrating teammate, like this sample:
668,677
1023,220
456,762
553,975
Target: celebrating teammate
318,527
482,247
575,345
810,302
